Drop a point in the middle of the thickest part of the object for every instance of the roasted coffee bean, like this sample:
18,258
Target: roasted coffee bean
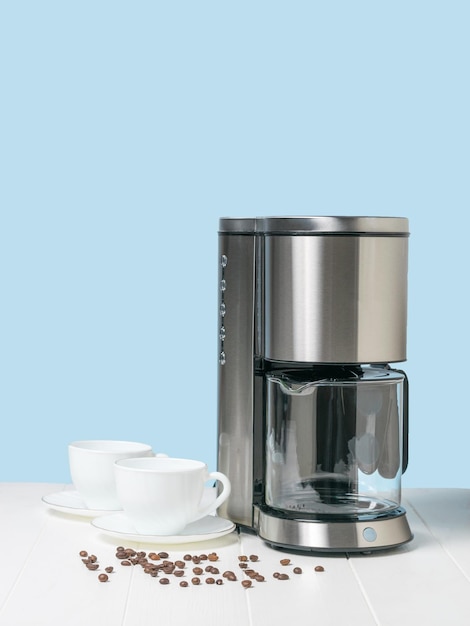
103,578
92,566
259,578
183,583
121,555
283,577
243,565
120,548
203,557
195,580
130,552
109,569
243,558
198,571
297,570
213,556
163,555
196,560
168,569
92,558
210,580
154,573
126,563
254,557
178,573
276,575
164,581
153,556
246,583
141,553
83,553
180,564
230,576
284,561
187,557
215,570
219,581
319,568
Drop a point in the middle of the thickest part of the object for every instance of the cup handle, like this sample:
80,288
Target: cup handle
227,488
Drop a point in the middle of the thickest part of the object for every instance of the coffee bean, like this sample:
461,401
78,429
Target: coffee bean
210,580
254,557
121,555
126,563
103,578
246,583
153,556
119,548
130,552
180,564
83,553
213,556
284,561
164,581
187,557
183,583
196,560
243,558
178,573
319,568
219,581
195,580
276,575
229,575
92,566
243,565
203,557
297,570
283,577
198,571
109,569
163,555
259,578
215,570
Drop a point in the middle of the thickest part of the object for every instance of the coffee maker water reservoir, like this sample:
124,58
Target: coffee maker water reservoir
312,419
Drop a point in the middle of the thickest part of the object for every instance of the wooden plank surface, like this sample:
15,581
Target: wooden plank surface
44,582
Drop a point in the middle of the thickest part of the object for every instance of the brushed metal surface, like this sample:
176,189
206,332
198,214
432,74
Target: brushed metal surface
344,536
236,375
336,299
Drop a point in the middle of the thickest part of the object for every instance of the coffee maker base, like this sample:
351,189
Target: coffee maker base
333,536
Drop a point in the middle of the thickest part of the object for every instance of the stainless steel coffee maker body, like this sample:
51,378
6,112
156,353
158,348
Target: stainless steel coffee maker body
312,419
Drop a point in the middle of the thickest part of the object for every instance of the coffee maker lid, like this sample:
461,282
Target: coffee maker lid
316,225
324,225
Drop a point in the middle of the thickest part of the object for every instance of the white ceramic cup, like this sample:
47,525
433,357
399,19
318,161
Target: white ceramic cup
161,496
92,469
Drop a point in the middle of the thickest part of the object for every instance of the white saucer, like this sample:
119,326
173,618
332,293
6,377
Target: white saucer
71,502
209,527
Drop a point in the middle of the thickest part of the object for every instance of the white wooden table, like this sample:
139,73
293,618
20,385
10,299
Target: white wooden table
44,583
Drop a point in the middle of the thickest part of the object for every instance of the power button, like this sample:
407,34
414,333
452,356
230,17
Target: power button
369,534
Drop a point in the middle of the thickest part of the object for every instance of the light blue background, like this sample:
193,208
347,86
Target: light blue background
128,128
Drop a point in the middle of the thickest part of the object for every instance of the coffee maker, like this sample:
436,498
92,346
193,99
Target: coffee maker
312,419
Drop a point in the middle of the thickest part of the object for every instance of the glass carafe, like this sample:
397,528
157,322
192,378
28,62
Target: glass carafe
335,442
